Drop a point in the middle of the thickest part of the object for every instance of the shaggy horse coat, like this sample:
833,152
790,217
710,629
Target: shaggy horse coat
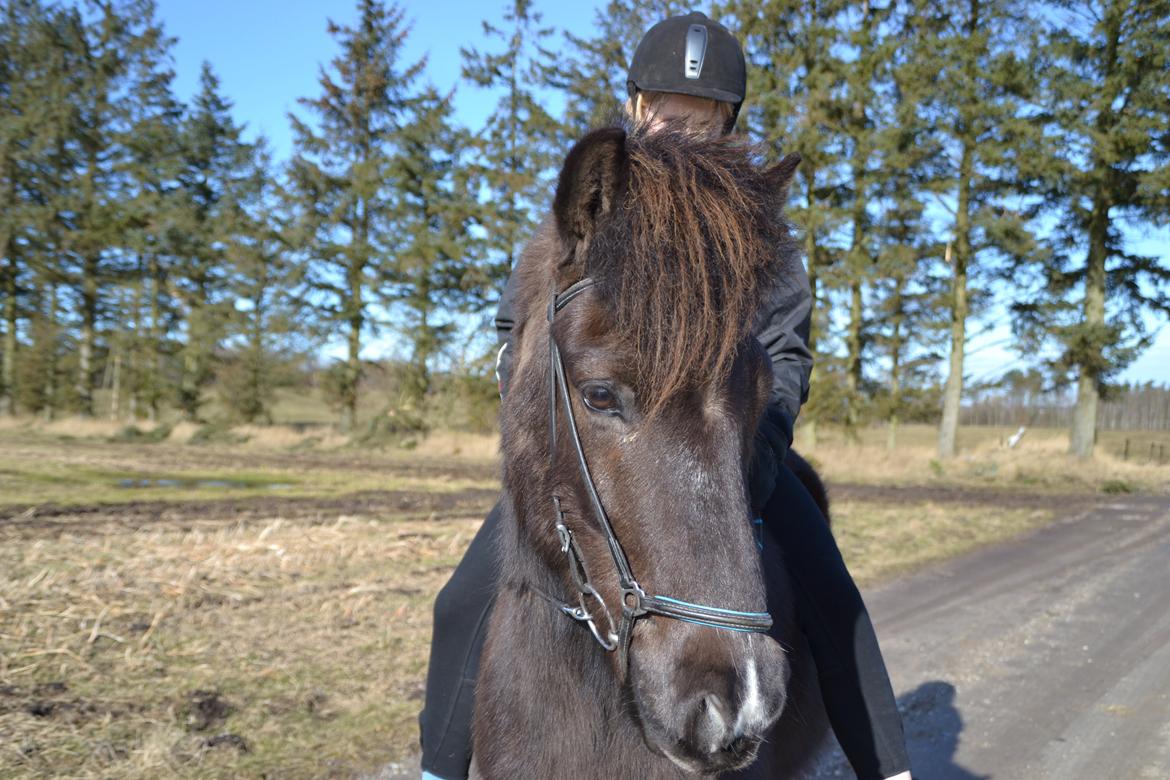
682,236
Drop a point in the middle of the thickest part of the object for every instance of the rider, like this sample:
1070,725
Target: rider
691,69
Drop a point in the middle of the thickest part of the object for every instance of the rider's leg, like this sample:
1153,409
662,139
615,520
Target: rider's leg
461,616
853,679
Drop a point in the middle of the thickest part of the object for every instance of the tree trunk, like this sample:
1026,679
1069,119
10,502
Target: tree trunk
154,362
857,266
859,260
853,360
1084,426
948,429
50,407
355,307
135,356
1083,436
85,348
116,388
189,380
896,343
353,365
8,367
257,407
958,260
7,245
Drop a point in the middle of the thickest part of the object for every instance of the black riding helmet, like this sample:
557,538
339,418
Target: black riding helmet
690,55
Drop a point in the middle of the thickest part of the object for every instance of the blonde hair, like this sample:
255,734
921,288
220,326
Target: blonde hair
643,106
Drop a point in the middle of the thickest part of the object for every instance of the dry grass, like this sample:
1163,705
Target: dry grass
145,646
879,541
124,652
1039,463
444,444
35,469
285,437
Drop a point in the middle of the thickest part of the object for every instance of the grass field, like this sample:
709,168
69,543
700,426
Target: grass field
1039,463
262,608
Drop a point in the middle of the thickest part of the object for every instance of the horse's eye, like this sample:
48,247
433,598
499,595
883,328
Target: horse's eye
600,398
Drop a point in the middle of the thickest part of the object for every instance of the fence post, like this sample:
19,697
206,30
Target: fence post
1153,449
1125,452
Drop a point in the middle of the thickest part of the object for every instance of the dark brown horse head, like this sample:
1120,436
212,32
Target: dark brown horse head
681,237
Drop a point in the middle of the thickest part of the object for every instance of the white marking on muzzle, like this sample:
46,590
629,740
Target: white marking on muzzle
752,712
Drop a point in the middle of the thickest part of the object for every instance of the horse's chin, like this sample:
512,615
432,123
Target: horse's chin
735,757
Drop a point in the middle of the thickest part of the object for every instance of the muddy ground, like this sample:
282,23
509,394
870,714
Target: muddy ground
37,518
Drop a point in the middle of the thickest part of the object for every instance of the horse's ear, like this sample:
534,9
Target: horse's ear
779,176
591,183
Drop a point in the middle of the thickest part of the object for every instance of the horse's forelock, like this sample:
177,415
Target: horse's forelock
688,257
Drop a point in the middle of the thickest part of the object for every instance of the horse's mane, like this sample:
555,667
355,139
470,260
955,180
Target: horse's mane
696,242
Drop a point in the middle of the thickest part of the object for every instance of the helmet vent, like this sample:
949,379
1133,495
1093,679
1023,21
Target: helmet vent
696,50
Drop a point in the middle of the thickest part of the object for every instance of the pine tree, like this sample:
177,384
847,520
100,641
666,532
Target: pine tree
103,51
909,301
50,64
966,49
792,71
263,320
339,179
85,88
154,165
434,273
518,147
215,157
1105,105
21,69
858,115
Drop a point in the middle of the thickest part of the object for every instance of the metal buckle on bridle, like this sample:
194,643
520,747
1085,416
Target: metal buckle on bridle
581,613
635,607
585,589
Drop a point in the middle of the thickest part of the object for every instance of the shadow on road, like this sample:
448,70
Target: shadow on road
933,725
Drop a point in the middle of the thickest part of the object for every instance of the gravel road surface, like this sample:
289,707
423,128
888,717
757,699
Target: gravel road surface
1047,657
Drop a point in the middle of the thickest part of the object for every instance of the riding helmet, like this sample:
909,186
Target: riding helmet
690,55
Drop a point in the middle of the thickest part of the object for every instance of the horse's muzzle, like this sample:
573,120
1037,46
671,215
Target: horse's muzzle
714,716
711,743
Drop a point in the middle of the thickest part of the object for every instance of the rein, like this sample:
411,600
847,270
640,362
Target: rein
636,603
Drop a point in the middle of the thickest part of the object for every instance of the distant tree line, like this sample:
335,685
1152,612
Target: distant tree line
961,160
1025,398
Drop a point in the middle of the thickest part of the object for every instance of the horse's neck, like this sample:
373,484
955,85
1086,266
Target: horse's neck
548,705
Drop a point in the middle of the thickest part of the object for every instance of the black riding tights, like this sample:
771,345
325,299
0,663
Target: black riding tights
829,609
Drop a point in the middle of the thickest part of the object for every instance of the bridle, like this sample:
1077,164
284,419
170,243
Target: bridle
636,603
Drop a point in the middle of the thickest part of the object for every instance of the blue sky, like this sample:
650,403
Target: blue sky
268,53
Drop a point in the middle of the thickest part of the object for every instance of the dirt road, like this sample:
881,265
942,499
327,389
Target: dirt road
1048,657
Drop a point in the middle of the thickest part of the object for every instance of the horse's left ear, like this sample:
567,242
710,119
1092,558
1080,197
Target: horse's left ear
591,183
779,176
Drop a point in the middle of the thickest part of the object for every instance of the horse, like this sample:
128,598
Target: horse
637,632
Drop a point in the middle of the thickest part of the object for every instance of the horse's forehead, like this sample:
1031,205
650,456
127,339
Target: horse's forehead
591,340
587,332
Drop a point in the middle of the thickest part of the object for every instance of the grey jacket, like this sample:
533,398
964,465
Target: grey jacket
782,329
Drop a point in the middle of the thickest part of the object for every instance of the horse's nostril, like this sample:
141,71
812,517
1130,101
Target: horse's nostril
710,727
